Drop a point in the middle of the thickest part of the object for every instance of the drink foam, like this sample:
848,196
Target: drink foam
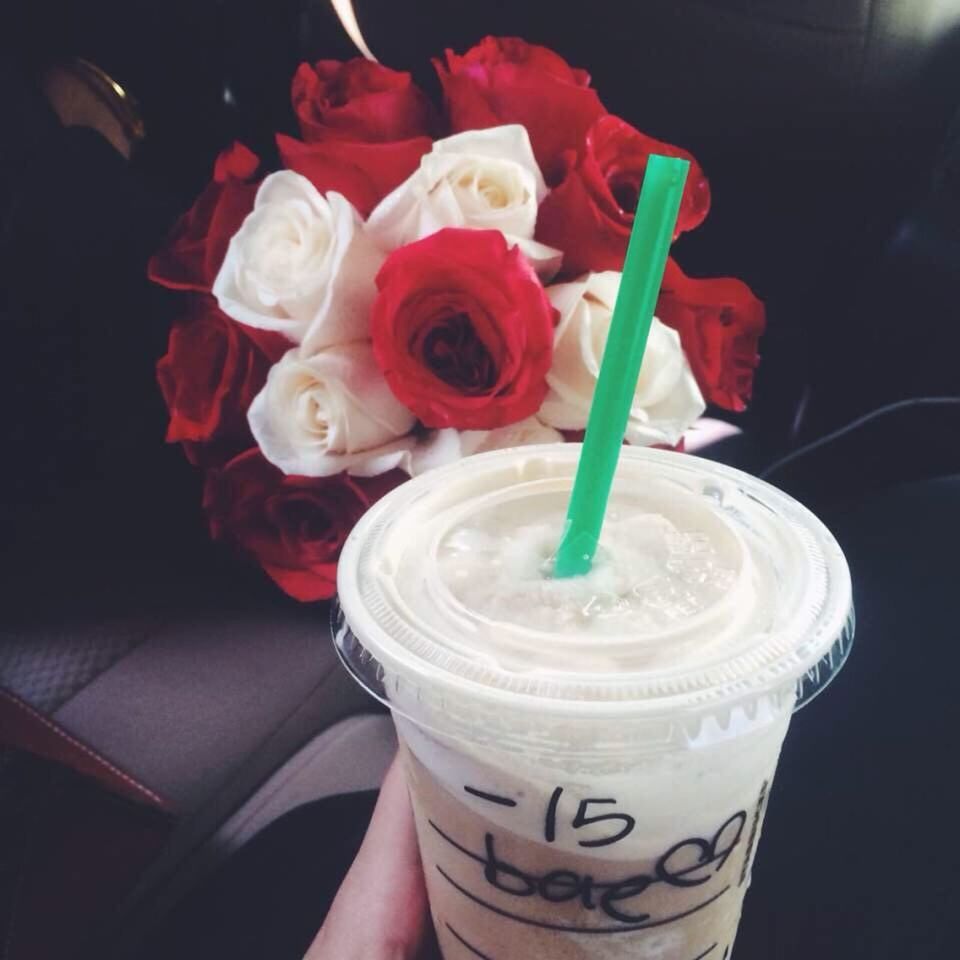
672,582
707,584
647,574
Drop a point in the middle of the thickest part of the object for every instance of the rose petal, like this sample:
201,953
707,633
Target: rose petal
359,100
505,80
330,412
209,375
473,280
443,192
363,172
720,322
293,526
582,215
300,265
195,248
441,447
666,397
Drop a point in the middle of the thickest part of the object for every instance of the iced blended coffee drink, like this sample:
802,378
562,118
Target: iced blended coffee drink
590,758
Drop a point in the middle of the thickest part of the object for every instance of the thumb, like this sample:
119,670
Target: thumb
380,911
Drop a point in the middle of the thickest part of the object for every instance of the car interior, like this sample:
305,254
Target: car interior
160,700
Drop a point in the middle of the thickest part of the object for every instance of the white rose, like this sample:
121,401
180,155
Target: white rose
667,399
485,179
445,446
300,264
332,411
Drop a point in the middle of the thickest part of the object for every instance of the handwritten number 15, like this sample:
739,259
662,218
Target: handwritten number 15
583,819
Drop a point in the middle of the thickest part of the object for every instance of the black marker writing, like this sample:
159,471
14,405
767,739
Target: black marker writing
692,862
582,820
550,824
469,946
573,928
492,797
689,863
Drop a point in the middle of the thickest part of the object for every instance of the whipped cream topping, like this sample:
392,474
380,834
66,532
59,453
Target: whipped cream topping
706,582
672,581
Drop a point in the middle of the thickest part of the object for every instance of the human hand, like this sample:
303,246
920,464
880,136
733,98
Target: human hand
380,911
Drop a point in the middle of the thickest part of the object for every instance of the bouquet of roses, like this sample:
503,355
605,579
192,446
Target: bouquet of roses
416,285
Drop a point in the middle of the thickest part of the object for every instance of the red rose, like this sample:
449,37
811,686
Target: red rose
359,100
507,80
720,323
463,330
589,215
363,172
211,372
294,526
195,248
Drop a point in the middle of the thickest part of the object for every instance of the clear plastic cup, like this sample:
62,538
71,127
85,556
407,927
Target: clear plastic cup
592,798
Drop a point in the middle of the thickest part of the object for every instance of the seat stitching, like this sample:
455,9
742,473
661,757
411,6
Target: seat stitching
83,748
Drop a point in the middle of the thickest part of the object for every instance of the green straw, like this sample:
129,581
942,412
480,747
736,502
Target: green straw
646,259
